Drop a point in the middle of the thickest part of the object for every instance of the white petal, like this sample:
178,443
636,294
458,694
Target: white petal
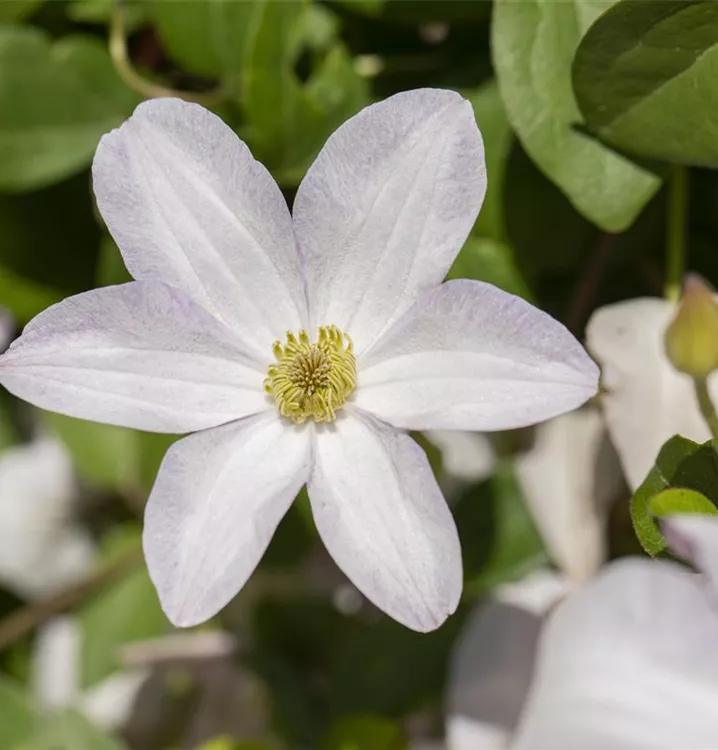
468,356
493,660
695,538
56,663
466,456
111,703
384,520
218,498
138,355
386,207
569,477
645,401
42,549
188,205
628,662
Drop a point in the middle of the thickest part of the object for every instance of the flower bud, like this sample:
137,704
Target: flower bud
692,337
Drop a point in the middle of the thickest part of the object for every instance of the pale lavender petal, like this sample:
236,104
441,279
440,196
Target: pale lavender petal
384,520
217,501
137,355
468,356
387,205
188,205
695,538
628,662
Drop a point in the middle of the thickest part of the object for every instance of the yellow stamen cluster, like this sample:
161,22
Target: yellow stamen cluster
312,379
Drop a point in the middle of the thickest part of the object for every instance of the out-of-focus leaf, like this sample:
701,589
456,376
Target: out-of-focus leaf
288,121
103,454
497,135
499,539
681,464
533,45
18,716
49,242
389,670
368,7
56,100
12,11
152,449
365,733
126,611
320,27
645,79
486,259
678,500
70,731
100,12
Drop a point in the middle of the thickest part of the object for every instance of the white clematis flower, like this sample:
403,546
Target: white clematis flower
299,348
646,401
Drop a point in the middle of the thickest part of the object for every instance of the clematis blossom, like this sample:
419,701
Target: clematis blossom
298,349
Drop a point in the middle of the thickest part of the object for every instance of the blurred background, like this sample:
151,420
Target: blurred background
299,661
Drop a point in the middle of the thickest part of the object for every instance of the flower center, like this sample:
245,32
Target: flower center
312,379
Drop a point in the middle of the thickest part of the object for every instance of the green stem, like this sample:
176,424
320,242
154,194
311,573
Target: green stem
676,239
707,408
126,71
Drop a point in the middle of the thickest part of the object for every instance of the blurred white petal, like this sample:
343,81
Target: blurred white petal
627,662
695,538
110,704
468,356
41,548
386,207
137,355
468,456
188,205
645,401
216,503
384,520
493,661
569,477
56,663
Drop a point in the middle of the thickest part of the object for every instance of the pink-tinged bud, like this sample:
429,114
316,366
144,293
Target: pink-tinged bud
692,337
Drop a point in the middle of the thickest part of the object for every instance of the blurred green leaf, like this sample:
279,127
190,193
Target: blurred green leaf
497,135
320,27
18,717
368,7
12,11
645,79
533,44
70,731
110,266
56,100
152,449
680,464
100,12
127,610
499,539
208,37
486,259
103,454
49,242
365,733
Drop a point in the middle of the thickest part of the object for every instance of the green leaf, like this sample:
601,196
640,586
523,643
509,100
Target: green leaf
127,610
103,454
56,100
486,259
681,501
70,731
12,11
18,717
499,539
533,44
681,464
23,297
496,132
365,733
207,37
645,79
367,7
100,12
111,268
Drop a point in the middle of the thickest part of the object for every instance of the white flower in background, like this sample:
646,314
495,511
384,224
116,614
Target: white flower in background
568,477
299,348
42,547
645,400
629,661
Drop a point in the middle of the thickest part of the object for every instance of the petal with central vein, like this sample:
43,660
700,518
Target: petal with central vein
384,520
137,355
386,207
468,356
218,499
188,205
